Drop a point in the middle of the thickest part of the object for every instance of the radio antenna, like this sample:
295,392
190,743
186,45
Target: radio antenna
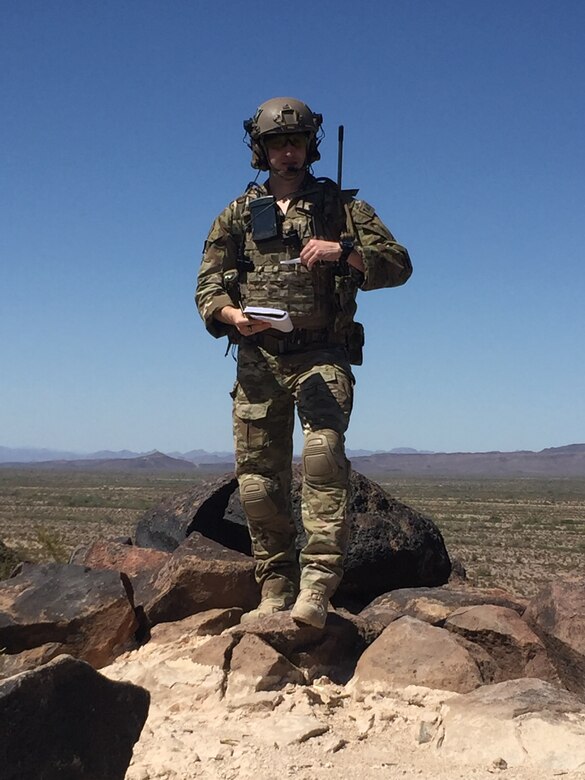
339,155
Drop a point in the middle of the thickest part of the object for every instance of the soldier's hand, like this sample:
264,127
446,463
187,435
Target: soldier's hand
317,250
230,315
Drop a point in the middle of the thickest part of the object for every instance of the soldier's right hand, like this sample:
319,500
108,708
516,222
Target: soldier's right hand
230,315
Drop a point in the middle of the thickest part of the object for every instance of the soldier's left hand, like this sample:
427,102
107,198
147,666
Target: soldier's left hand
317,250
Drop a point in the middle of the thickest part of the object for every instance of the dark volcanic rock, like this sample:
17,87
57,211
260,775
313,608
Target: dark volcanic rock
65,721
88,613
205,509
391,545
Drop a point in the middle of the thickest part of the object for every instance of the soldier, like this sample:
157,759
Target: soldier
332,245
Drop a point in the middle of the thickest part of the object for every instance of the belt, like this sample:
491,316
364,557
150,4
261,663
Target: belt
297,340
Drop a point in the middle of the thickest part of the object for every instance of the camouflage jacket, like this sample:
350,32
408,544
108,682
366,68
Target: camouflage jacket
319,210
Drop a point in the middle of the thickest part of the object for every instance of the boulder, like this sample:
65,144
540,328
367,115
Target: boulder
411,652
15,663
119,556
557,614
257,666
210,508
139,564
332,652
378,616
507,638
434,605
66,721
522,722
86,613
200,575
390,546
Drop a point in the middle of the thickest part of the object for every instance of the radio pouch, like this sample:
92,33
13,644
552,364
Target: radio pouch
263,218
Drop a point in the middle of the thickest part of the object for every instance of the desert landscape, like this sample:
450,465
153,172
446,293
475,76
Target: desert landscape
514,533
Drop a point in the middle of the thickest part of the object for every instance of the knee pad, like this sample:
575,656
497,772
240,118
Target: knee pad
323,457
255,497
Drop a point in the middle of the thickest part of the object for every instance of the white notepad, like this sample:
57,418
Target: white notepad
278,318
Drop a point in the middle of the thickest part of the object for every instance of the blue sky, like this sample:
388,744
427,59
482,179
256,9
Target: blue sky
121,139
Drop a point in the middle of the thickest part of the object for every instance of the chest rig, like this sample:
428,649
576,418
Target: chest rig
308,296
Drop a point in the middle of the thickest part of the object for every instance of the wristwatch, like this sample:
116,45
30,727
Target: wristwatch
347,246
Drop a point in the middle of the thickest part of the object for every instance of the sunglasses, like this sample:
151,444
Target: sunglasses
298,140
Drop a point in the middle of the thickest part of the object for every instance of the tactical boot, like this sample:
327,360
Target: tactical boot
270,604
311,608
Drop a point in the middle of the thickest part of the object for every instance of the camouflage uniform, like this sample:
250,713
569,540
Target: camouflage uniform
309,369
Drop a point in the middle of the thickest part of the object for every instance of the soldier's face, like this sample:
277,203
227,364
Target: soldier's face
287,153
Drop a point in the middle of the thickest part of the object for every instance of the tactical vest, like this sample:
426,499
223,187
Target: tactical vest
308,296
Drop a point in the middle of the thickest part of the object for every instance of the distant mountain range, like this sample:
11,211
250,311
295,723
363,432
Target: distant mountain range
567,461
32,455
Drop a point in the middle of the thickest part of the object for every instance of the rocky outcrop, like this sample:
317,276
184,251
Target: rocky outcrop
453,637
236,699
390,546
198,575
484,658
392,666
55,608
65,720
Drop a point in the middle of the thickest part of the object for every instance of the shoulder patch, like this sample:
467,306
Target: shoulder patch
364,208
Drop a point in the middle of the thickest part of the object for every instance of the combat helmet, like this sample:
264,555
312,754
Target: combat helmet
282,115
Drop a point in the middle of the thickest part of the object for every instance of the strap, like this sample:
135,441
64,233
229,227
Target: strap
296,341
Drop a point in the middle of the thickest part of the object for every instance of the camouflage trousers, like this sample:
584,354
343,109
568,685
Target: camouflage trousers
319,383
